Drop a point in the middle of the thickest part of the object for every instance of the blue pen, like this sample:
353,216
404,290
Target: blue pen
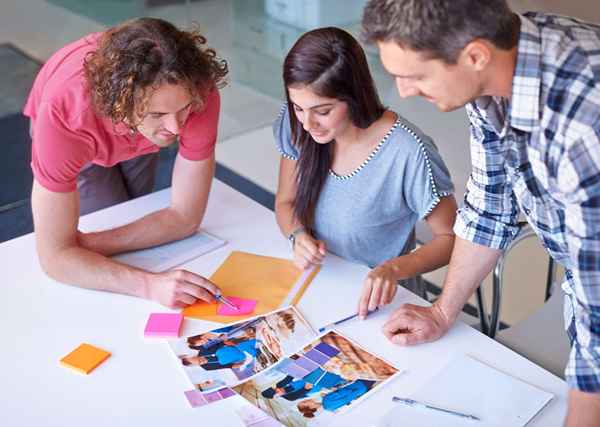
414,403
345,319
225,301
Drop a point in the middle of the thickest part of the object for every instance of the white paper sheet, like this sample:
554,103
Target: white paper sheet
163,257
471,387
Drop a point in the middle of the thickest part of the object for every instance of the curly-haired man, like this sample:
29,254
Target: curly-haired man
530,84
100,109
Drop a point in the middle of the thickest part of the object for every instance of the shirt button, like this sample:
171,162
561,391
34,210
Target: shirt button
527,211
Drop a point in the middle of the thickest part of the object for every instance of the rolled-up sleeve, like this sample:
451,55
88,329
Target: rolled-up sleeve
489,212
579,183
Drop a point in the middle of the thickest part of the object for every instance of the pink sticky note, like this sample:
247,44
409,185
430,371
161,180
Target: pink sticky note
163,325
245,306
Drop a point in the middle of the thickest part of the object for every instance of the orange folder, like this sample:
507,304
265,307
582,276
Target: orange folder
266,279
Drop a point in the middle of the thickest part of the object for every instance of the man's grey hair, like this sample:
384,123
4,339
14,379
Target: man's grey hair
440,28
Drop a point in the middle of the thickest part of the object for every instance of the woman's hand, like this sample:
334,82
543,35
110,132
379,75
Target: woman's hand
308,251
379,289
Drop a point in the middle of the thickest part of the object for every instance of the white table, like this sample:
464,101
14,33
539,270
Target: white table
141,384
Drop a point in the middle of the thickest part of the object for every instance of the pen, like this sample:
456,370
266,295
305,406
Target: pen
414,403
225,301
345,319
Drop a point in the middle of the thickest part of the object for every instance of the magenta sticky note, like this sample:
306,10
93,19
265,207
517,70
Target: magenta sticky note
163,325
245,306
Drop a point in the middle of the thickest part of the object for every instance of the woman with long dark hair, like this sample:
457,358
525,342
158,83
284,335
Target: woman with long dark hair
355,177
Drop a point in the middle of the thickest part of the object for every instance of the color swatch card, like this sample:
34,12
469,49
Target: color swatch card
85,358
163,325
238,408
197,398
473,388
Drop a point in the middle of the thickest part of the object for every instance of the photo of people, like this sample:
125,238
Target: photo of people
309,387
230,354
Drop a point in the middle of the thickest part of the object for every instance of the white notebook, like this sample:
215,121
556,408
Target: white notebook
471,387
163,257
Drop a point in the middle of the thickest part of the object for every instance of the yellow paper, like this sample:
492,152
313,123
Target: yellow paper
266,279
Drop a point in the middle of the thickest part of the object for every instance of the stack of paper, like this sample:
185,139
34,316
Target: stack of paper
163,257
471,387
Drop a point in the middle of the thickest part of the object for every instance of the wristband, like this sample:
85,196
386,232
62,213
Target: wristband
294,234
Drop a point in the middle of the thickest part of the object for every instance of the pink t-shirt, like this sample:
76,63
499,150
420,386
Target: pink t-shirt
68,133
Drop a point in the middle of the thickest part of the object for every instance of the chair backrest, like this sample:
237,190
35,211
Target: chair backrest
541,337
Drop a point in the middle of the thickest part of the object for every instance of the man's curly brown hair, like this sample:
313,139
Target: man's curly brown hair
135,58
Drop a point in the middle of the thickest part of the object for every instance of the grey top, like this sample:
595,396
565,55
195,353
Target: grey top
369,215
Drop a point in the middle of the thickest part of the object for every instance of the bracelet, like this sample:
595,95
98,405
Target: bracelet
294,234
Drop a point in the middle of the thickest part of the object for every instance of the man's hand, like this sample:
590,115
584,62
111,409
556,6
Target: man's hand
412,324
379,289
308,251
180,288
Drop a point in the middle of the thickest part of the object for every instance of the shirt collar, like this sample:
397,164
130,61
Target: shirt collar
524,111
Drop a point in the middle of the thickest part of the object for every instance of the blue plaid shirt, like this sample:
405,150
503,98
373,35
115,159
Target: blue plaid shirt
539,154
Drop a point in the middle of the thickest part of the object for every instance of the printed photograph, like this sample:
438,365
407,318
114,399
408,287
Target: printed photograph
309,387
230,354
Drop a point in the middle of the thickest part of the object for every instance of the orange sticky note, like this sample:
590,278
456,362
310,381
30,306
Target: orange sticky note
85,358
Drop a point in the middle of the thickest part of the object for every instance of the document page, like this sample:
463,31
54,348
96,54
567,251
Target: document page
163,257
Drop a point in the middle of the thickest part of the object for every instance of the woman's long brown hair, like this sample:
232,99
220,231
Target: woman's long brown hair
333,65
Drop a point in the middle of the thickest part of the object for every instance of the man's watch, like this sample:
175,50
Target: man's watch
294,234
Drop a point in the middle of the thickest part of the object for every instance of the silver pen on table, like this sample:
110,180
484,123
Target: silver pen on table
414,403
225,301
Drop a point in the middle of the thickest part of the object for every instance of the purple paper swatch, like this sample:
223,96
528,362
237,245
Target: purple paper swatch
327,349
307,364
317,357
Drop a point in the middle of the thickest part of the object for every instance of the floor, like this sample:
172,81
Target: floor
254,44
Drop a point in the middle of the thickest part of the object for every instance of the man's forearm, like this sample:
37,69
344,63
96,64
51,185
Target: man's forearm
469,265
81,267
159,227
584,409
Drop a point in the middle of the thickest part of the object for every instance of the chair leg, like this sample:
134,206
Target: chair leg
483,317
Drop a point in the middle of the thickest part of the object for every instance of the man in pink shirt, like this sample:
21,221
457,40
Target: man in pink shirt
100,109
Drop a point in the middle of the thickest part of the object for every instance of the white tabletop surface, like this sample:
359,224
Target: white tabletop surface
41,321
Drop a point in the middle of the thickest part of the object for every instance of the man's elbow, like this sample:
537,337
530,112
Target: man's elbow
49,265
188,226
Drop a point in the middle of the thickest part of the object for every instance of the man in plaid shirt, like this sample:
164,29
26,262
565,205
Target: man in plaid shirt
531,86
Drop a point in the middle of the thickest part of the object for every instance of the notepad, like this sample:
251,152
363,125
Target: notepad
271,281
163,257
85,358
164,325
469,386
